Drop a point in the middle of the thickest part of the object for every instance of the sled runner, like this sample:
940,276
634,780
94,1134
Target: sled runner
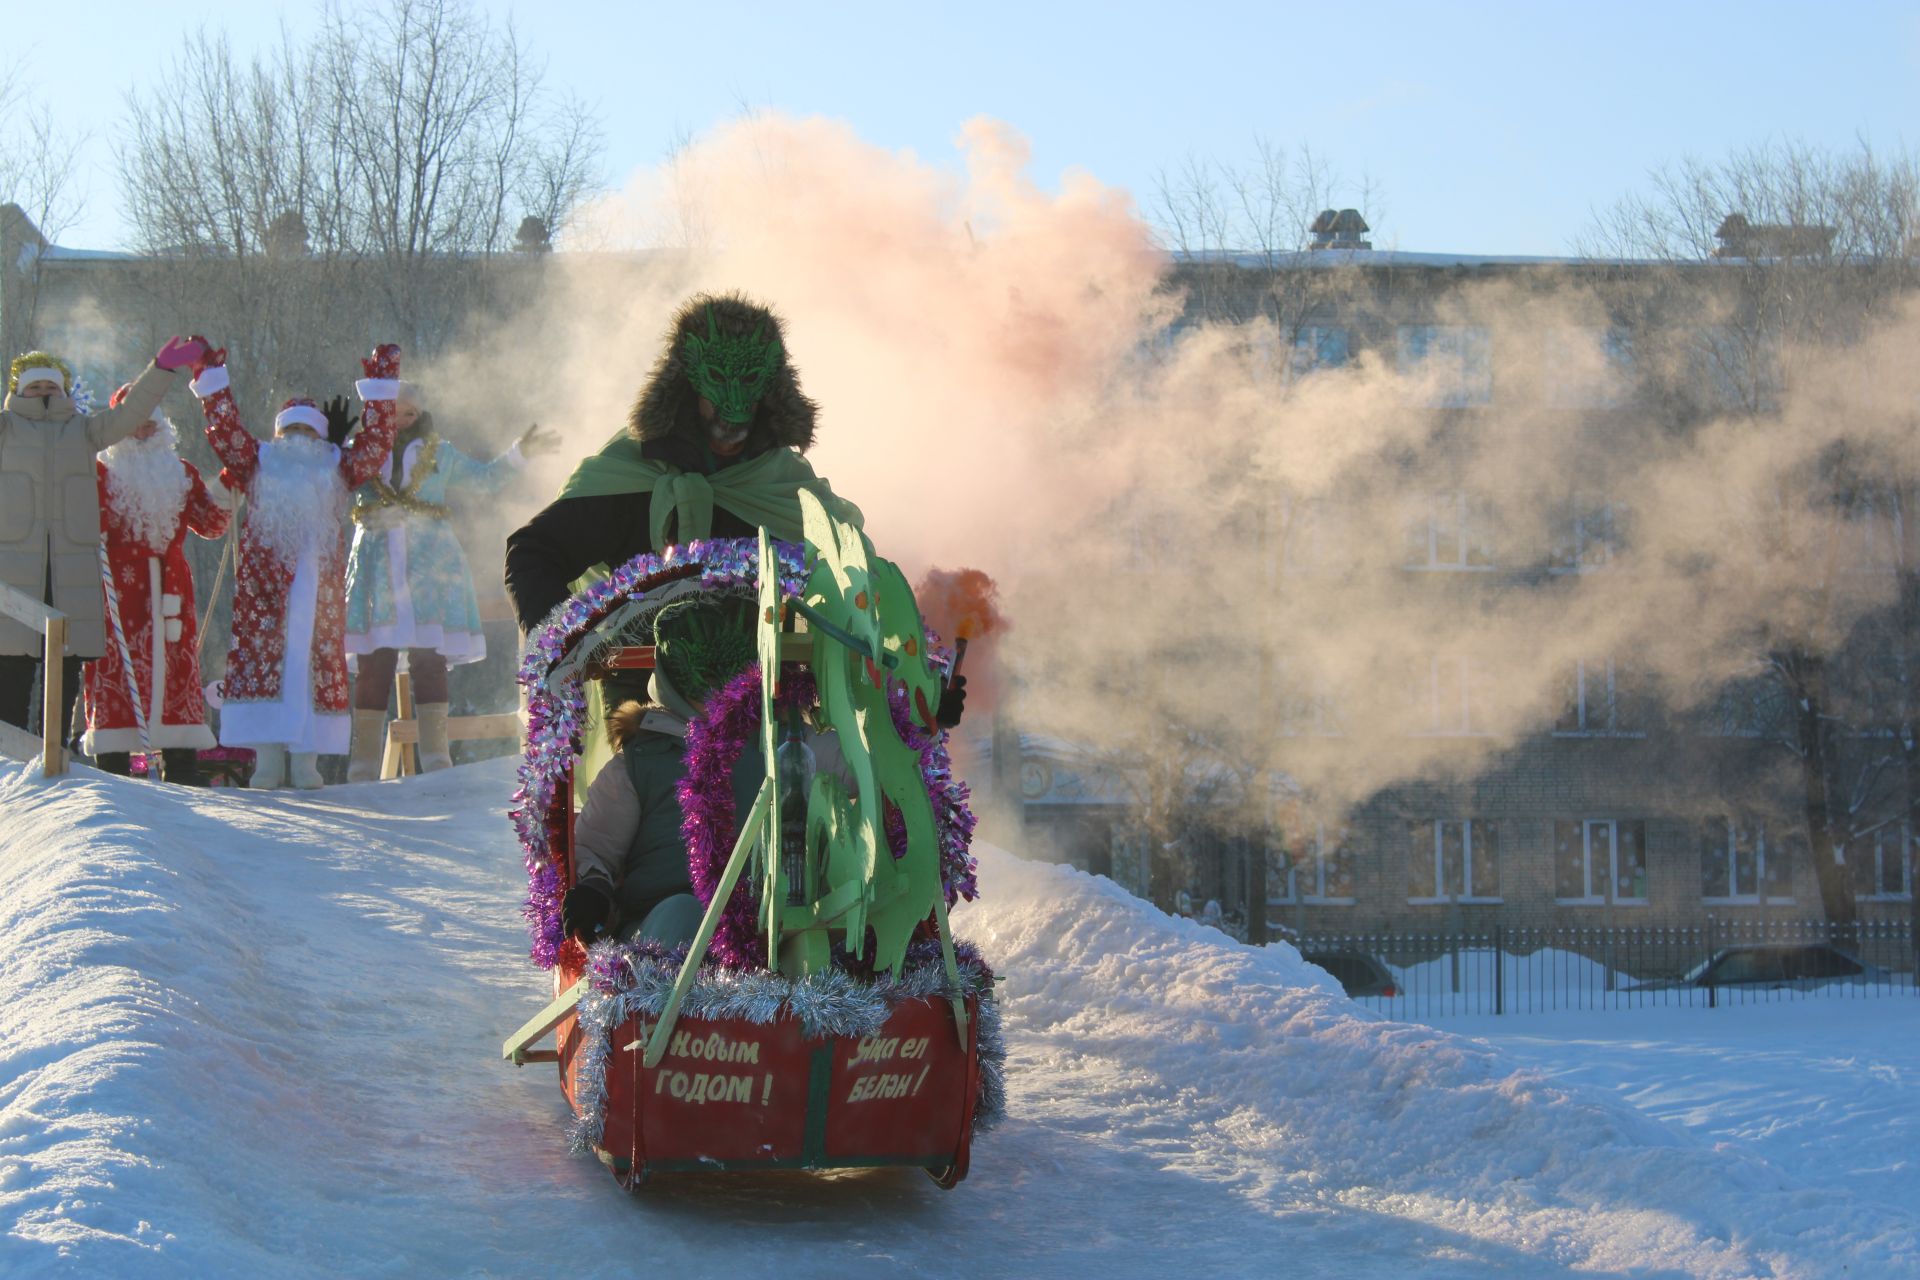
823,1016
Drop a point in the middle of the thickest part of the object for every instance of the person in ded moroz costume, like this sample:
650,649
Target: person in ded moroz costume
285,690
151,499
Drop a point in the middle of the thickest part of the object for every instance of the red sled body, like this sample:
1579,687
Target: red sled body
733,1095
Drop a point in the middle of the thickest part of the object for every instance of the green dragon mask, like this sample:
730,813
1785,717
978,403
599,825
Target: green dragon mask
731,371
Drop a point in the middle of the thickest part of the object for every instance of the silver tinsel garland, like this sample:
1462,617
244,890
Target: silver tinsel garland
830,1004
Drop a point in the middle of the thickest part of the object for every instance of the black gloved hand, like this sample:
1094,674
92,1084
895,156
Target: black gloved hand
339,423
584,912
953,702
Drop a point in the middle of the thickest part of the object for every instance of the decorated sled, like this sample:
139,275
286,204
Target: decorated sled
823,1016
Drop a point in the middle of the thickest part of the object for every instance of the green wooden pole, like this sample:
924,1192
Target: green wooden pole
515,1049
742,847
953,966
772,901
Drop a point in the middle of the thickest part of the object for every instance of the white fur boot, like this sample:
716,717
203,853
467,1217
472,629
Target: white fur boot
434,752
269,767
369,745
304,770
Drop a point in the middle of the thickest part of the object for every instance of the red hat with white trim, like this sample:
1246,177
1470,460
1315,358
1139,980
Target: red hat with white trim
302,412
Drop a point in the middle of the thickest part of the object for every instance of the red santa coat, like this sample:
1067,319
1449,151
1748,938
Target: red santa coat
154,590
274,598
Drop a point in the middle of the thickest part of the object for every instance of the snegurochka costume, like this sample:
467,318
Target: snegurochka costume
662,481
408,584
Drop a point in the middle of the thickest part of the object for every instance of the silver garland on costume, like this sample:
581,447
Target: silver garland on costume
830,1004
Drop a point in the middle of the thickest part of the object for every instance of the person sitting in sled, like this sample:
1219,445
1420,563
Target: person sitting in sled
408,585
630,862
712,449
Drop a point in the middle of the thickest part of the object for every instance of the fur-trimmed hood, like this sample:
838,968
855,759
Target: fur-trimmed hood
668,401
624,721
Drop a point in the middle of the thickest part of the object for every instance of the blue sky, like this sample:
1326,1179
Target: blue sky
1488,128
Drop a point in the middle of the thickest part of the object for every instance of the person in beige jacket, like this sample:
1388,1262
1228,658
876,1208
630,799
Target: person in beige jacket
50,507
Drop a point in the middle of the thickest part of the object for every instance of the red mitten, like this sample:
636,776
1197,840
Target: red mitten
384,362
181,352
211,357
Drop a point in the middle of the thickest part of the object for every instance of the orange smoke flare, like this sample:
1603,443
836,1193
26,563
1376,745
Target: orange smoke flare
960,604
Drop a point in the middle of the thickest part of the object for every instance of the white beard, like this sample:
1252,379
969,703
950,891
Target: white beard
298,498
147,484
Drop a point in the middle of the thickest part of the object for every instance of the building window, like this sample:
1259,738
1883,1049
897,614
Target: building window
1449,532
1589,536
1447,691
1452,364
1326,871
1596,704
1739,368
1883,864
1750,706
1600,860
1740,865
1318,346
1283,876
1454,860
1588,367
1871,535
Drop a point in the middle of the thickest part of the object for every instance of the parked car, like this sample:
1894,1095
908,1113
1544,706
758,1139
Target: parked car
1358,973
1775,965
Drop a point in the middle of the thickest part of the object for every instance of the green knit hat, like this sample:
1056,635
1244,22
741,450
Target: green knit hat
702,643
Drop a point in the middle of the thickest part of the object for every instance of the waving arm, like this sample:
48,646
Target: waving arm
235,446
111,426
367,452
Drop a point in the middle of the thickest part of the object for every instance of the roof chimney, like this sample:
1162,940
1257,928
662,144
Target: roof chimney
1340,230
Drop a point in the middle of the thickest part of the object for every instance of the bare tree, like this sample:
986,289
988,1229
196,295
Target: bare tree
1800,252
368,178
37,178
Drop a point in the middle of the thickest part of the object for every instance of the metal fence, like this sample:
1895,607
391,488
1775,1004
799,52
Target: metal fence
1516,971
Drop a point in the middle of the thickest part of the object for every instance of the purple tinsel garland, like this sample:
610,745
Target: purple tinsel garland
555,718
715,740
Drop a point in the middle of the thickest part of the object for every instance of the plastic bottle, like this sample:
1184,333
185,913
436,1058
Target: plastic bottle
794,767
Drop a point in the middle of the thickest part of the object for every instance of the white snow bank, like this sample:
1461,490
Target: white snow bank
258,1035
1828,1088
1248,1068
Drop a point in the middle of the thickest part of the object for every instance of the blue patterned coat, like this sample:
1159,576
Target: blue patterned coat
408,585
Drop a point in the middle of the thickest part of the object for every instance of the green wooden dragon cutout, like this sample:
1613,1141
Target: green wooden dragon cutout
865,631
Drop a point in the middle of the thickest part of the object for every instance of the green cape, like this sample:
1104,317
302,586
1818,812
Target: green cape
761,491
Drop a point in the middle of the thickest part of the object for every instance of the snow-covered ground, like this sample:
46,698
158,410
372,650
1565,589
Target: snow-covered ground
258,1035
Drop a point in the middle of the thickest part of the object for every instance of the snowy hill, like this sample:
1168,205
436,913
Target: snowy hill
258,1035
